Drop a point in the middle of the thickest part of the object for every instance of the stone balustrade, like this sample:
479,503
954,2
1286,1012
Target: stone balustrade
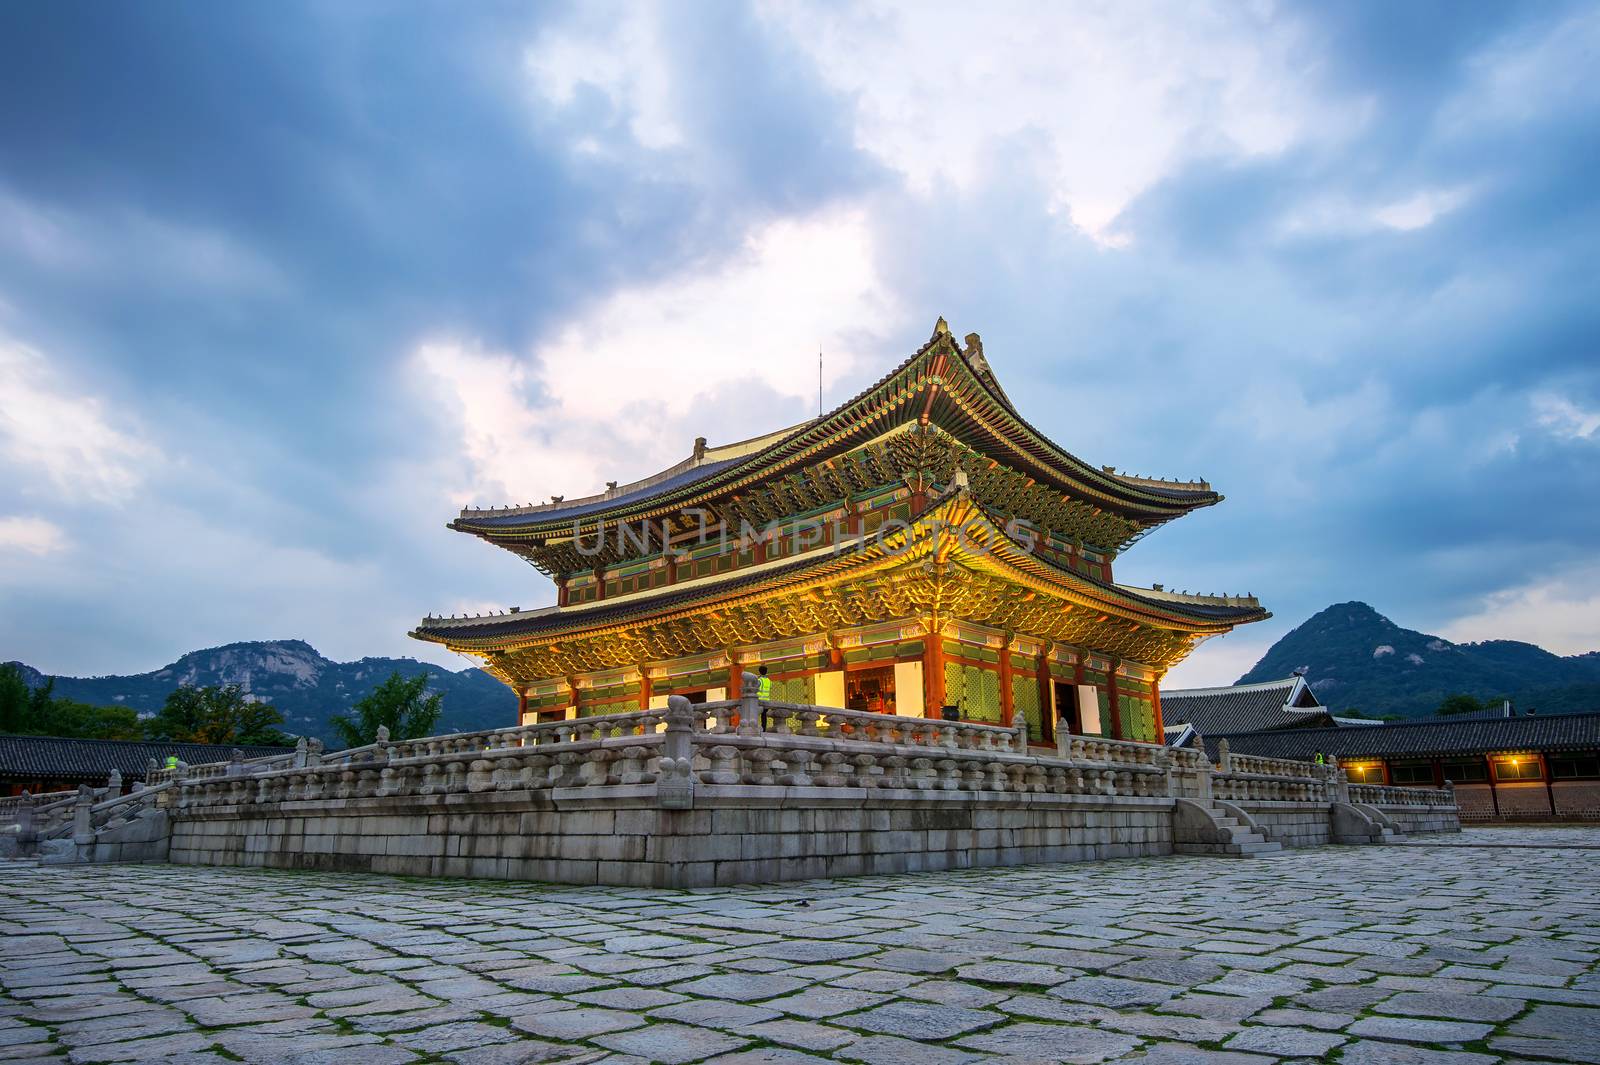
1281,768
792,719
780,744
611,749
11,805
1385,795
1268,787
689,795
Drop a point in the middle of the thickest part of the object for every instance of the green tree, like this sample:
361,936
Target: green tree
1460,704
40,713
223,714
16,701
68,717
402,706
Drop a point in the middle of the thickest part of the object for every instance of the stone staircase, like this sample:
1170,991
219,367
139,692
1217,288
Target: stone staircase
1365,824
1202,830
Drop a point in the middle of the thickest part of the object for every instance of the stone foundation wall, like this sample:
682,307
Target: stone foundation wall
1293,824
1475,802
1521,801
1577,800
621,835
1413,820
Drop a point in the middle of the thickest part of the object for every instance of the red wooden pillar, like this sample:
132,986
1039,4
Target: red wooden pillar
561,592
1494,797
932,676
599,583
1007,707
1155,702
644,690
522,705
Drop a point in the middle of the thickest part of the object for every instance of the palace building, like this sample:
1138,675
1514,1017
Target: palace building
920,550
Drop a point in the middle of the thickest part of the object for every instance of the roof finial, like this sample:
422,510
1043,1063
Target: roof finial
941,328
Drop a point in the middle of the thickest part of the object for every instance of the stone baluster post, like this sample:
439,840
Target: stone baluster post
1162,760
313,753
114,784
25,830
236,766
750,723
151,768
1224,756
1339,781
83,817
302,751
674,776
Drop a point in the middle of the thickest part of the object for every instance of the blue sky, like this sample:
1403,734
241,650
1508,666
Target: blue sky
283,287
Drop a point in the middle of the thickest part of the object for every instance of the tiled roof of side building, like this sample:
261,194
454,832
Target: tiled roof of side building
1432,738
58,758
1245,707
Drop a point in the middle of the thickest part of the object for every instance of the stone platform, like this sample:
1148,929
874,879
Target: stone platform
1484,949
740,791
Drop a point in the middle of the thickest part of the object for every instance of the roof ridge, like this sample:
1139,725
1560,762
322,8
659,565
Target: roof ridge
1260,685
1462,720
142,743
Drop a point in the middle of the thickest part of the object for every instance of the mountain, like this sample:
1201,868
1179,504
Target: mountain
1357,659
306,687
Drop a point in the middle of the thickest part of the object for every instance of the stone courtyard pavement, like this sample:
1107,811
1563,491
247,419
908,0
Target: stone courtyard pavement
1471,952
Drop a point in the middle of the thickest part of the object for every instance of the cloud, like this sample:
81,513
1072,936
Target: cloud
1560,613
724,349
31,536
49,432
617,51
1218,661
1104,100
350,268
1564,418
120,244
1421,209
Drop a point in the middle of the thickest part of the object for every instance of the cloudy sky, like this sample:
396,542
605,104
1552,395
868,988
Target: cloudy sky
281,288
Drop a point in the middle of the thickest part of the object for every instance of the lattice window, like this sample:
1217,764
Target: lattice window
975,690
1025,701
801,690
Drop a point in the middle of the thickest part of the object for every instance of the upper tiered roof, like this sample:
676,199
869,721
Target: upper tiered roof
944,387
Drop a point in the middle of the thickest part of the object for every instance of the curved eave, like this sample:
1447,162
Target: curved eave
868,414
1003,555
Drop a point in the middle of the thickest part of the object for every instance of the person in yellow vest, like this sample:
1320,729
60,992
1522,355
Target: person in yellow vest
172,761
1319,759
764,686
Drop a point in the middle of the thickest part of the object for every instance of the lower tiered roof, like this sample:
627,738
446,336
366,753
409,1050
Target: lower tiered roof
953,561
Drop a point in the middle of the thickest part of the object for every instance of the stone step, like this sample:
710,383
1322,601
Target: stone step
1263,847
1228,850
